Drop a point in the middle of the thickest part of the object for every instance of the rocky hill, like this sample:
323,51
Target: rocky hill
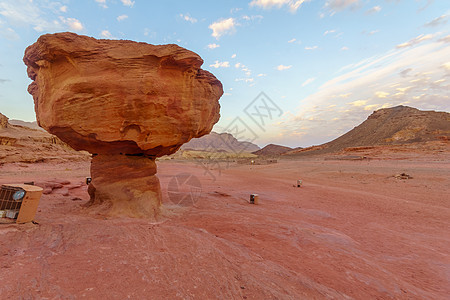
24,144
389,126
219,142
272,150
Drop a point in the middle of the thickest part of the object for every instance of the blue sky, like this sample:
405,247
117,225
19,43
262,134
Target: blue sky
325,65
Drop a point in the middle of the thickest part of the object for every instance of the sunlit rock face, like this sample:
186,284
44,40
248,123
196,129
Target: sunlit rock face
3,121
124,101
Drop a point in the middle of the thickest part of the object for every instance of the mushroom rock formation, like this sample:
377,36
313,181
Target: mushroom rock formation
126,103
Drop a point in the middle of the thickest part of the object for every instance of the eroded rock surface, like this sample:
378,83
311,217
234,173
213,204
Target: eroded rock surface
118,98
3,121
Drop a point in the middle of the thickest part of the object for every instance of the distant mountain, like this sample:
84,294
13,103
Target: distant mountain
389,126
213,142
219,142
272,150
32,125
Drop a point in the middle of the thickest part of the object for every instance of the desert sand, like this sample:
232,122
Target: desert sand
352,231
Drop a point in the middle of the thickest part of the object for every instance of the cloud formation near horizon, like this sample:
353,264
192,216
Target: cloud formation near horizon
28,13
283,67
394,78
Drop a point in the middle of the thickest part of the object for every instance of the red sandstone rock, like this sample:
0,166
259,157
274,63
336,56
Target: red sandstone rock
124,185
111,96
117,98
3,121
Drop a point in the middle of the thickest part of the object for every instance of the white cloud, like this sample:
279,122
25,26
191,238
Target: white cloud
445,39
344,48
262,75
293,5
415,41
127,3
20,13
233,56
102,3
311,48
446,66
213,46
329,31
188,18
292,40
106,34
9,34
63,8
244,68
404,89
338,5
252,18
73,23
438,21
346,95
283,67
222,27
358,103
308,81
122,17
381,94
217,64
374,10
244,79
346,100
148,32
370,32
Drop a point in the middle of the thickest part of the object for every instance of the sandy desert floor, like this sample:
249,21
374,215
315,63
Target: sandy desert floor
353,231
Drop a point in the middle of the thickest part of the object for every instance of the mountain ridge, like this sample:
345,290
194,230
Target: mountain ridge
272,150
219,142
388,126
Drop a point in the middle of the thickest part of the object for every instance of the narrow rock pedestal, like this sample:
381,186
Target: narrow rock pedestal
125,185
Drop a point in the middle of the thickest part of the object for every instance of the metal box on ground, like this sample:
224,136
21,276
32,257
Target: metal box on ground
254,198
19,201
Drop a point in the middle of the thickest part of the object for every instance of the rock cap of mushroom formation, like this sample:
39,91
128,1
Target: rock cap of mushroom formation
119,96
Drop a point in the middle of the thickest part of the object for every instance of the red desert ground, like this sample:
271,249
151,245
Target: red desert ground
353,230
370,218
